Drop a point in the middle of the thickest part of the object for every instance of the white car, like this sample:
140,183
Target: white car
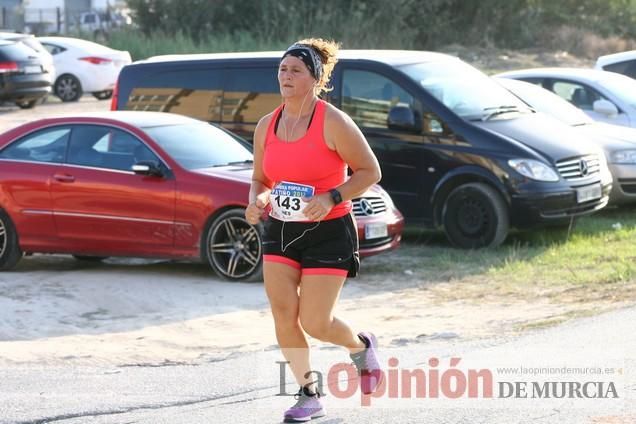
604,96
621,63
84,67
618,143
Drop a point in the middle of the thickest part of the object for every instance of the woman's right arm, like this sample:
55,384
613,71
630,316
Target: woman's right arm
261,185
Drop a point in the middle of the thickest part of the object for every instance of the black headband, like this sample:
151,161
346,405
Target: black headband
309,56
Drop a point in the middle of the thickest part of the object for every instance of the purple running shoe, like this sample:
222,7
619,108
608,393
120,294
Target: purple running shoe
306,408
368,365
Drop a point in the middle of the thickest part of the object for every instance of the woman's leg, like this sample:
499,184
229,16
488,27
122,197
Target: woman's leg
318,297
281,286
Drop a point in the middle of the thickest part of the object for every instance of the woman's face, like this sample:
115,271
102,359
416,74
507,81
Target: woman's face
294,78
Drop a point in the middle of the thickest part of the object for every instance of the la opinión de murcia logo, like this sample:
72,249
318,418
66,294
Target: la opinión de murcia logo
342,381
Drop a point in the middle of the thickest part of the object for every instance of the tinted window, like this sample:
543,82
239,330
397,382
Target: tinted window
626,68
580,95
367,97
42,146
192,92
250,93
106,147
196,146
53,49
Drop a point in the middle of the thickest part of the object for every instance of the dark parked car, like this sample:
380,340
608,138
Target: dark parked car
457,150
23,78
144,184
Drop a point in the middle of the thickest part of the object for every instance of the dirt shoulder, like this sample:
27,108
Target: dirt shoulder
492,60
130,312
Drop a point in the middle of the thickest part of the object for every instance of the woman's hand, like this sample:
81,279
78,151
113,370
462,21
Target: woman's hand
255,211
318,206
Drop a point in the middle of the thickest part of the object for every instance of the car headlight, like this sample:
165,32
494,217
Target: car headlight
534,169
623,157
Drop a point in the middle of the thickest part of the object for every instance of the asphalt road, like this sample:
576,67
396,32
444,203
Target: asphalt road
238,390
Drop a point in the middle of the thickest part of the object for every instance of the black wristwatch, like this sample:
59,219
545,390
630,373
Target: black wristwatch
335,196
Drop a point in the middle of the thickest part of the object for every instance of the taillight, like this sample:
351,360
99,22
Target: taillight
113,100
6,67
95,60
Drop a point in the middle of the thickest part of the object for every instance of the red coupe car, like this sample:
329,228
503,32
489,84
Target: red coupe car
146,184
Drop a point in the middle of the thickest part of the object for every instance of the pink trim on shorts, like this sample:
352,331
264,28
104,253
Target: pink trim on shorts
325,271
281,260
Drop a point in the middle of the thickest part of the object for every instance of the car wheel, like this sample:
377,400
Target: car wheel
474,216
68,88
103,95
90,258
10,253
26,104
232,247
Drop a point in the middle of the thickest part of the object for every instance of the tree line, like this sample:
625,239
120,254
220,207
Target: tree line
413,24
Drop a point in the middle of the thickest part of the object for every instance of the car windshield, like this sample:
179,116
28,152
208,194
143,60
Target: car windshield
547,102
196,146
621,86
465,90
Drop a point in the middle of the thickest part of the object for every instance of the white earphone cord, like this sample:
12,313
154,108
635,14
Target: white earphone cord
297,119
284,247
282,235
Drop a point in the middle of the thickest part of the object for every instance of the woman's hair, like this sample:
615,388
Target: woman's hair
327,50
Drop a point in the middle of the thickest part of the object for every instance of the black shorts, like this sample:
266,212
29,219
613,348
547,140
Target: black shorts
324,248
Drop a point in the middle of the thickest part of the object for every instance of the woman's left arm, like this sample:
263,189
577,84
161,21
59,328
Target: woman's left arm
344,136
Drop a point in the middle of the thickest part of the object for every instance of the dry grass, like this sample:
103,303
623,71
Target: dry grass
586,44
595,265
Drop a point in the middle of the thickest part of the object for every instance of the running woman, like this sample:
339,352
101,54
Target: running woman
301,154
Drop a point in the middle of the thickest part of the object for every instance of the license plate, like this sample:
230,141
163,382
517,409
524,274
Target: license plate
34,69
586,194
378,230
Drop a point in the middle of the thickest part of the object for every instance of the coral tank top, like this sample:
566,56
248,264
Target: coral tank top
307,160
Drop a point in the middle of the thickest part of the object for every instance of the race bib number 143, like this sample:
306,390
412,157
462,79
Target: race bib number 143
286,201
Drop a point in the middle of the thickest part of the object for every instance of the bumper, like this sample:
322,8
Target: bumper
624,185
394,223
24,87
554,207
95,78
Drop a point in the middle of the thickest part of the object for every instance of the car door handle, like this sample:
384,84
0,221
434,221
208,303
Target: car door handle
64,178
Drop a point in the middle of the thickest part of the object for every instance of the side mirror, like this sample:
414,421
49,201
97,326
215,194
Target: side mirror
403,118
148,168
605,107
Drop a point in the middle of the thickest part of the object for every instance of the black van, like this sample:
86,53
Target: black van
456,149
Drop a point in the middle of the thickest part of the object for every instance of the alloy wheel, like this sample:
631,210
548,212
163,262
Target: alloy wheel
234,247
68,88
3,238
